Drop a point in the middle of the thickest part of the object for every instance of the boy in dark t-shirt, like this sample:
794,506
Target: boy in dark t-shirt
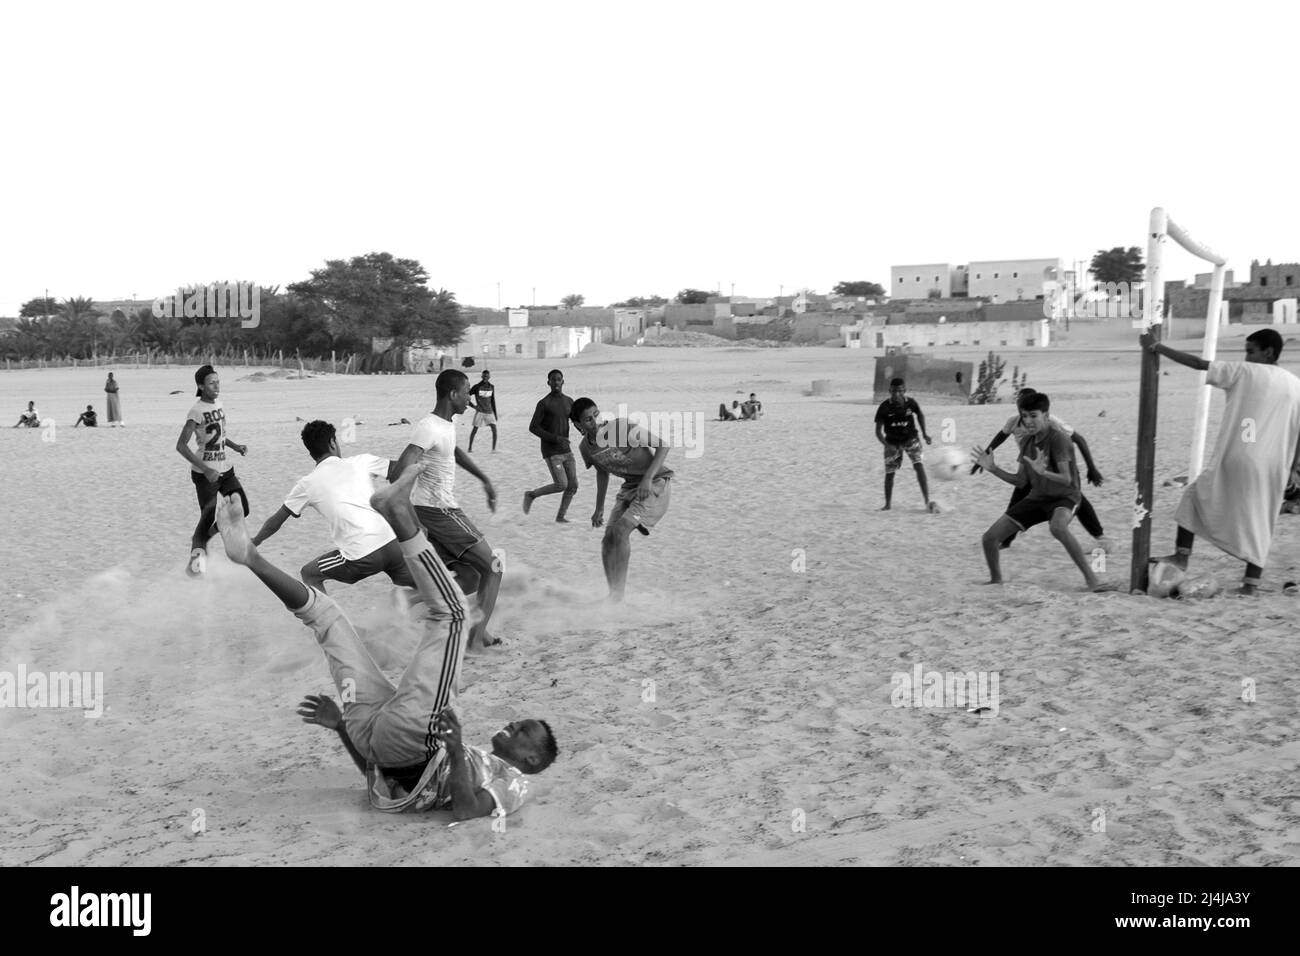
896,428
1048,469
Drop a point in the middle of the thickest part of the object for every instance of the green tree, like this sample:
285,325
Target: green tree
862,288
377,294
573,301
693,296
37,308
1118,265
640,302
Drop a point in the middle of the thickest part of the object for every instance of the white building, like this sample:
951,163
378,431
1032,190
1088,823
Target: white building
915,282
1011,280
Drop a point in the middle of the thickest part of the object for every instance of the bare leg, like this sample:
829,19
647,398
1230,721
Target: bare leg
991,540
292,593
615,553
494,436
570,489
889,490
472,432
1060,526
1182,555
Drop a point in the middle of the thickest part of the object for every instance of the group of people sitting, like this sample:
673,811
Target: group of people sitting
741,411
32,418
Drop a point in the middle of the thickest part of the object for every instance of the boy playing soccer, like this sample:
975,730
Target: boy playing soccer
210,470
896,430
1047,468
406,737
1015,428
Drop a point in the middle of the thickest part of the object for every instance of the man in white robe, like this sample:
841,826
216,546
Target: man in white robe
1233,503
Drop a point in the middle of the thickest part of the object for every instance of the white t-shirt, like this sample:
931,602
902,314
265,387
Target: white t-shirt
209,419
433,489
340,489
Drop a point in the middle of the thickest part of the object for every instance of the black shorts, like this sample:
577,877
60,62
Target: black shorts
208,491
389,559
1028,512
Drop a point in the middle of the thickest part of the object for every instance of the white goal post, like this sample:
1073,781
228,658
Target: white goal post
1161,227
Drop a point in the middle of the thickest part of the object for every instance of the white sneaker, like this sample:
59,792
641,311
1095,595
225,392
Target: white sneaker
198,563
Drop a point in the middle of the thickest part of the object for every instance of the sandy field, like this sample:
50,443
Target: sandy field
738,710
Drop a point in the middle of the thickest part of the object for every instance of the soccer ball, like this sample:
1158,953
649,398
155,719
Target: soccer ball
949,462
1164,579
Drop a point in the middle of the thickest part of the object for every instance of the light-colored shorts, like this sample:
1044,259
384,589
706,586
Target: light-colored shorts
894,454
484,418
646,513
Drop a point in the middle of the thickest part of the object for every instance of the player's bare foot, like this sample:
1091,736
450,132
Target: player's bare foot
234,531
389,501
1246,590
885,508
932,507
1103,587
528,501
560,519
1179,561
992,581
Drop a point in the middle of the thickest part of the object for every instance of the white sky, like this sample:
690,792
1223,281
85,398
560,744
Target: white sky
617,149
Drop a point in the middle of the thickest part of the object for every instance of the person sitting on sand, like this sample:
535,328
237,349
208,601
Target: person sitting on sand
756,407
30,418
87,418
731,414
406,738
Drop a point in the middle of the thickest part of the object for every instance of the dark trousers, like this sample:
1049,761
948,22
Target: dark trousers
1086,514
207,492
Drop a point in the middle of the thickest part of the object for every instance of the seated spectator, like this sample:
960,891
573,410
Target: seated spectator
756,405
731,414
87,418
30,418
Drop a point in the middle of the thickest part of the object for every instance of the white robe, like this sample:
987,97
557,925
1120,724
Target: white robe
1234,502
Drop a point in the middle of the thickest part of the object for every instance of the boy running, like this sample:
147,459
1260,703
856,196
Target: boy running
460,545
406,738
620,448
551,424
1233,502
210,470
1047,468
339,489
896,428
483,399
1015,428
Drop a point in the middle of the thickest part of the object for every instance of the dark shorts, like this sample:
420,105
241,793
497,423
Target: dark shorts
451,533
208,491
1026,513
894,454
389,559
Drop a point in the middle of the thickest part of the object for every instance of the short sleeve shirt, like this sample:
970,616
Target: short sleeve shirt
623,449
340,489
434,487
507,784
210,430
898,421
485,397
1058,448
